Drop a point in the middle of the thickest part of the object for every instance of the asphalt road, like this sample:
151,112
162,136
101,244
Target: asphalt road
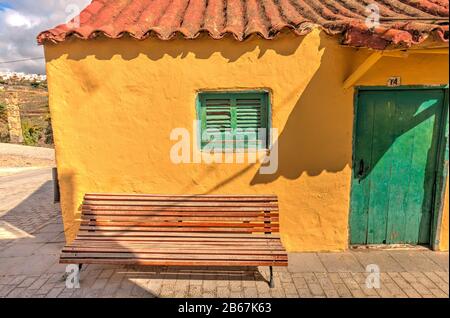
27,151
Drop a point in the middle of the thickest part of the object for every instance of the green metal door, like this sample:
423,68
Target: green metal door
394,165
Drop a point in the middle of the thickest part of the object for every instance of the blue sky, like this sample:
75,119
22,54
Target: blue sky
4,5
21,21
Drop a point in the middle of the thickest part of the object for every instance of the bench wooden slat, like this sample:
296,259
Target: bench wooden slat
175,200
180,256
134,231
144,226
137,225
155,240
151,239
146,234
184,197
181,203
157,236
176,213
170,244
226,236
187,240
124,218
137,261
173,253
185,247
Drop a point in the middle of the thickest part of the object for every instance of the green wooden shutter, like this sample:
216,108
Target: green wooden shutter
216,118
251,115
236,118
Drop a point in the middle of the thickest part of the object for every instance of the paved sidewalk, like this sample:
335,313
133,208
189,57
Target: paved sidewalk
26,190
26,203
31,236
29,268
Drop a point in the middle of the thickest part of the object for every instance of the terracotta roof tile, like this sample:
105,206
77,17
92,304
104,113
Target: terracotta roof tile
403,22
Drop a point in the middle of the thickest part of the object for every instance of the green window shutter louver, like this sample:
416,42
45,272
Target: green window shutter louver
238,120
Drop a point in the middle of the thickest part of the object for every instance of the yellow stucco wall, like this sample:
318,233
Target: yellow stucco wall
114,103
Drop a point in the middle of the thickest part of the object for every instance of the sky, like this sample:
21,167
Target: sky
21,21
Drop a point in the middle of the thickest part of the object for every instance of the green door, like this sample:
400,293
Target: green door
394,165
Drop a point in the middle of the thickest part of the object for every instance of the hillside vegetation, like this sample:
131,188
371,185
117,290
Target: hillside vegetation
34,112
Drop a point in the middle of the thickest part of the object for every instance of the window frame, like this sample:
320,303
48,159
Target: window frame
267,98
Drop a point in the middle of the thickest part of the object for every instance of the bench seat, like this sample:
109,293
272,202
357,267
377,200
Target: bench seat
178,230
167,249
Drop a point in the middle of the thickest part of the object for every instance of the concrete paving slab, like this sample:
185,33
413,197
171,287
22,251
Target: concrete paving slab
440,258
341,262
6,264
305,262
30,265
52,228
16,250
414,261
382,259
57,268
50,249
26,240
42,238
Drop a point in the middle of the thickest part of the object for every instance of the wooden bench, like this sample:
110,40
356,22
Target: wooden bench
177,230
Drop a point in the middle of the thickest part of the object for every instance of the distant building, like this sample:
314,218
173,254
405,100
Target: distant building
20,76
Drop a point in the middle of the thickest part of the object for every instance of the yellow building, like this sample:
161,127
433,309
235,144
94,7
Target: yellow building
353,100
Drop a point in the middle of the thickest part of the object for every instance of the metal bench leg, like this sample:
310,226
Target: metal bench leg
66,274
271,283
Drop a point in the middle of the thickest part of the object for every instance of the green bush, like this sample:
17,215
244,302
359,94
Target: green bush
35,84
38,84
31,133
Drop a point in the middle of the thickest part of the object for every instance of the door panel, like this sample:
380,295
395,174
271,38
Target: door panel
381,139
396,140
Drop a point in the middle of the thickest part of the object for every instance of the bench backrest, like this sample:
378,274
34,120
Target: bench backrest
180,213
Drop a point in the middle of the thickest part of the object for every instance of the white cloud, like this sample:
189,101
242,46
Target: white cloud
21,21
18,20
